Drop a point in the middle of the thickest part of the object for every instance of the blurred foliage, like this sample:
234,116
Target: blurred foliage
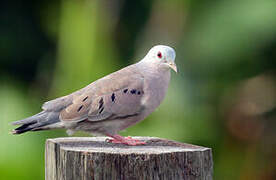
224,96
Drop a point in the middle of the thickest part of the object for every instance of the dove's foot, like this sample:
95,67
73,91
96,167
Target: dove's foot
117,139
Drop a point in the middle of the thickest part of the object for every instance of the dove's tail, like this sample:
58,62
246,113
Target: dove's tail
41,121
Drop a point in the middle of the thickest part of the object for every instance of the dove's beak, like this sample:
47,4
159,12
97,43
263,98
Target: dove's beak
173,66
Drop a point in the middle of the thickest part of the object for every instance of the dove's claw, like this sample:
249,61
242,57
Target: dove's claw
117,139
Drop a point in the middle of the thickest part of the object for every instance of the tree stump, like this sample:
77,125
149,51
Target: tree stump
93,158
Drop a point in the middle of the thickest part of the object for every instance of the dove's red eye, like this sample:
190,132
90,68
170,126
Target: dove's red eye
159,55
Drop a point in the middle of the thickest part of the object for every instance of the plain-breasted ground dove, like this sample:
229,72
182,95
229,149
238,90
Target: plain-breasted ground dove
112,103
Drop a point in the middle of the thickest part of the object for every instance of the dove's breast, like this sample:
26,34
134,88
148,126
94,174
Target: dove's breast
156,85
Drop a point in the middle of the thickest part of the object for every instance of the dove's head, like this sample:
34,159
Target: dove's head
163,56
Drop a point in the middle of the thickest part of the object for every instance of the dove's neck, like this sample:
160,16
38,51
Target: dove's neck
157,80
153,67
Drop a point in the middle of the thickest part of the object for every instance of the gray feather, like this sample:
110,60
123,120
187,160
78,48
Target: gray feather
30,119
39,121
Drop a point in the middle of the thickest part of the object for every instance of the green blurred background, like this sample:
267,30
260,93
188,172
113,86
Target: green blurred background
223,97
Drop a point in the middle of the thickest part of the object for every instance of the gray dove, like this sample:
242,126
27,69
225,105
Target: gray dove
112,103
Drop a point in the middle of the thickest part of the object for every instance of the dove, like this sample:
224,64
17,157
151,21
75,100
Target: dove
112,103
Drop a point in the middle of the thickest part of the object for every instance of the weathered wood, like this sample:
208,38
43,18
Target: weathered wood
94,158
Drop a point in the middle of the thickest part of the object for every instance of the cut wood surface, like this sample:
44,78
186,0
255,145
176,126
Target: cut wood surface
93,158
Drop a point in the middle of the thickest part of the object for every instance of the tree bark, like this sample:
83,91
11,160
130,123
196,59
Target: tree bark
93,158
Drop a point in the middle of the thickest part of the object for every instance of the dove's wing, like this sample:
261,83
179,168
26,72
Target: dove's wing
62,102
117,95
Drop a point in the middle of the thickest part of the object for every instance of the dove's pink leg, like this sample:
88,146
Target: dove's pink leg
117,139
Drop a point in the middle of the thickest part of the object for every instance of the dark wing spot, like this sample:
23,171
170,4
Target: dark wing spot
101,110
124,117
101,103
80,108
113,97
138,92
133,91
85,99
125,91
